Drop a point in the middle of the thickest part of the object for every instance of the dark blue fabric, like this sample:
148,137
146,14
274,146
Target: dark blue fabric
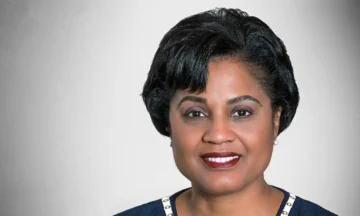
301,207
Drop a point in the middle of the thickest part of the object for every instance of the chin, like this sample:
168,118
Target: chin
220,186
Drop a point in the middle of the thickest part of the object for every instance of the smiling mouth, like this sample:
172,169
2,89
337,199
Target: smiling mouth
220,160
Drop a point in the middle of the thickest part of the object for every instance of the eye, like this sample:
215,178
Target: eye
242,113
195,114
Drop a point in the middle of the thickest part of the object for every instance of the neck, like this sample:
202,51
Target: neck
245,201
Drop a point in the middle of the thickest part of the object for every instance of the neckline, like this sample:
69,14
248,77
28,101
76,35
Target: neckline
173,197
284,201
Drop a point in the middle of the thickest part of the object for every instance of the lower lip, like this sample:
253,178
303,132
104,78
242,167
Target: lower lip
221,165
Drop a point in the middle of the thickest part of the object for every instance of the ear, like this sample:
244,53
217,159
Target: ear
276,121
168,129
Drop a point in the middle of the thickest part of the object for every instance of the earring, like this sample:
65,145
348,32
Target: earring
276,142
170,144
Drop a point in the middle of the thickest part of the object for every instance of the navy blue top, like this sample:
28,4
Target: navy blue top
300,207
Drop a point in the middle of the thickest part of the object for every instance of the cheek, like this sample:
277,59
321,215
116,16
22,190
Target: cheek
186,134
257,138
183,152
185,141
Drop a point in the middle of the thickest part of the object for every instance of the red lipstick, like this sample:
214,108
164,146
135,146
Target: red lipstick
219,160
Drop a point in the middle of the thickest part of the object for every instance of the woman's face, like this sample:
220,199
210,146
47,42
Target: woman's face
223,137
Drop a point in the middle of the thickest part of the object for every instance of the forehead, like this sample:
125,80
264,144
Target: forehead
228,78
229,74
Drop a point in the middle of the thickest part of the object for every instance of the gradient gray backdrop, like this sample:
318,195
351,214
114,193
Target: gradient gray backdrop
75,138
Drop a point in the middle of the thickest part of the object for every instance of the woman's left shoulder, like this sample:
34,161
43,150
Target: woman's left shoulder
305,207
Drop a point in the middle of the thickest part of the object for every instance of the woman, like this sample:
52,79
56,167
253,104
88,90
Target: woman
221,86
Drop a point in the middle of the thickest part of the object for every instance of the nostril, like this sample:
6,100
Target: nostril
219,131
218,138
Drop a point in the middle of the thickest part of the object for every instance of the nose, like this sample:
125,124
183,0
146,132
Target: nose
219,132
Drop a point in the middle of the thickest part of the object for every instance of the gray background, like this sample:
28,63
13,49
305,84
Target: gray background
75,138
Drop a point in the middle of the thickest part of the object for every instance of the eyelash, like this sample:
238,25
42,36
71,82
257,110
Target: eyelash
187,114
198,112
247,113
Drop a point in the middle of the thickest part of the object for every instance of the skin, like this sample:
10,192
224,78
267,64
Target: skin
233,114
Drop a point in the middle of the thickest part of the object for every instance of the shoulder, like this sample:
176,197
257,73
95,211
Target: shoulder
300,206
153,208
306,207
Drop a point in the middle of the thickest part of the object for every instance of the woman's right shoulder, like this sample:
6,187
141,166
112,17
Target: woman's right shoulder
151,208
154,208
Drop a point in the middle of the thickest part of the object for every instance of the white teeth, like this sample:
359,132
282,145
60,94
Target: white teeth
221,159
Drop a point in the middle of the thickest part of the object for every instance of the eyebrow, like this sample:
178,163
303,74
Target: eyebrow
243,98
229,102
192,98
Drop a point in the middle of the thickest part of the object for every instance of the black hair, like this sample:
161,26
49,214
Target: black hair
181,61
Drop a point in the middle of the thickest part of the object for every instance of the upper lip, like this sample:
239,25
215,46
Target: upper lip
219,154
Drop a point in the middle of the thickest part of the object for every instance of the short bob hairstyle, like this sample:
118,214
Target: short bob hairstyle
181,61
